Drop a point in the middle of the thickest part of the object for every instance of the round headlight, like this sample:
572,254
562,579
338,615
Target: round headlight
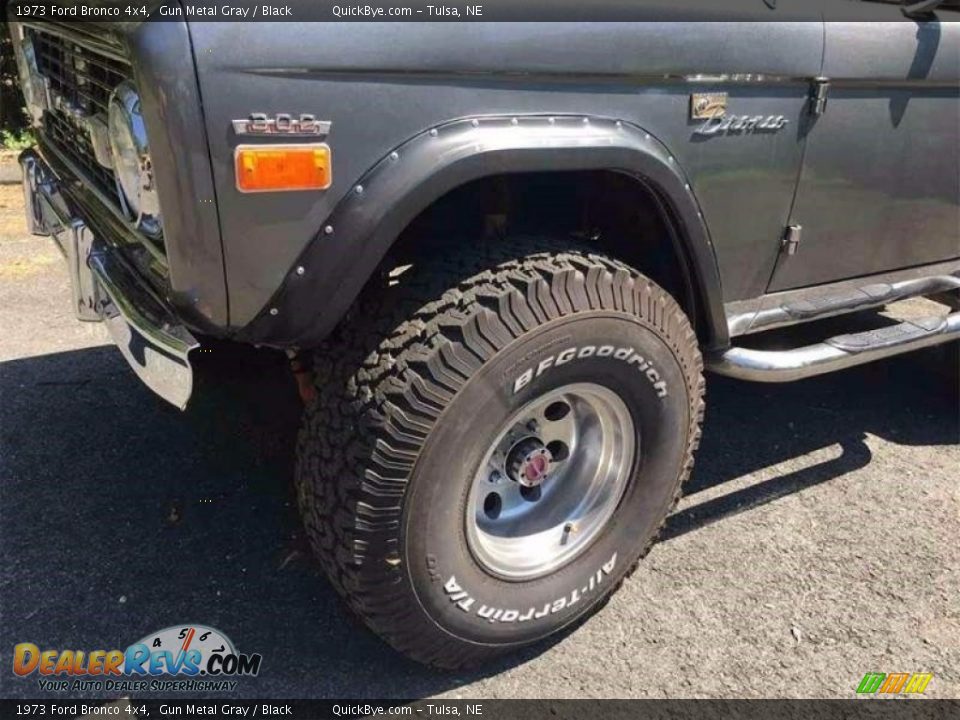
131,161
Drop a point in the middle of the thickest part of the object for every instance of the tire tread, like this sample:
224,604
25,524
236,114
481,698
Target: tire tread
385,376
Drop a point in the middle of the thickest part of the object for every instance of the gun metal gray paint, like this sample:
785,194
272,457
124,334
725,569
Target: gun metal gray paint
379,92
387,198
231,256
881,173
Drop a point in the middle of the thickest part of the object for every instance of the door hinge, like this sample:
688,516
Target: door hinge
818,96
791,239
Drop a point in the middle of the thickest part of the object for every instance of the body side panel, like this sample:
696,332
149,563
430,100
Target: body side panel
881,180
387,198
381,84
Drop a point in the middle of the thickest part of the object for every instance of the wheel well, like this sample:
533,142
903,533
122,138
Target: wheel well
618,213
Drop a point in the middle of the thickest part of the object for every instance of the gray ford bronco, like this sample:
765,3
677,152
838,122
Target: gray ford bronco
500,257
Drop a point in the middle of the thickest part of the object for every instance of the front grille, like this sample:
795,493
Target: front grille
73,141
81,77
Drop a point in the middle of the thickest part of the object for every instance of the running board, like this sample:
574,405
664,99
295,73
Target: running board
831,302
836,353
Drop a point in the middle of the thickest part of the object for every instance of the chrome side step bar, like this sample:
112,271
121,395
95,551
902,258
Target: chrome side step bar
834,302
835,353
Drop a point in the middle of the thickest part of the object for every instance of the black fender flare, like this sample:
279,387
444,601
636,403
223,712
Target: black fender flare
332,270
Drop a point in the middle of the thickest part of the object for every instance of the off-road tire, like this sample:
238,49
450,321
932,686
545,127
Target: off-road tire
385,451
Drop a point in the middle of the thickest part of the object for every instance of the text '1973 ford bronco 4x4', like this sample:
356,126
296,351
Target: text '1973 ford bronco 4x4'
505,252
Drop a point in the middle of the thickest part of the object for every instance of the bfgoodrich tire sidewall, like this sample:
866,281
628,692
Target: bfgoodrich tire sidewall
453,590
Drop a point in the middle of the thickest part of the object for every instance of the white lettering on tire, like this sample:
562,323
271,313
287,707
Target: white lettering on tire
624,354
492,613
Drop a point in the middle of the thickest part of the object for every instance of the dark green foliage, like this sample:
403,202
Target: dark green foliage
13,119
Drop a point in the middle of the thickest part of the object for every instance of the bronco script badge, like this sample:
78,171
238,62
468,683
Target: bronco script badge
712,109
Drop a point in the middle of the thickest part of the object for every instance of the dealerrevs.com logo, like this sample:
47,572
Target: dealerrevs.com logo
196,657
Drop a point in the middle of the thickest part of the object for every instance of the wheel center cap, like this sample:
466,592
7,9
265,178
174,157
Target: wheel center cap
535,469
528,462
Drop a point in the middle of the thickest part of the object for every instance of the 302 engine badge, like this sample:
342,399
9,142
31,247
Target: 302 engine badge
284,124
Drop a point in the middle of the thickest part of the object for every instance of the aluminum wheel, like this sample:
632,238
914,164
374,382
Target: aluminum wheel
551,480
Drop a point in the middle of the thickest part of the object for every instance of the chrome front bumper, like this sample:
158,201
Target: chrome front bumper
105,288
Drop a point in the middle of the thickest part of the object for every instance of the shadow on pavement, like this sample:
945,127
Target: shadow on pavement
909,400
120,516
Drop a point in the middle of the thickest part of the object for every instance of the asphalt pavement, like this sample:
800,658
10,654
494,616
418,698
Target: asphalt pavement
817,540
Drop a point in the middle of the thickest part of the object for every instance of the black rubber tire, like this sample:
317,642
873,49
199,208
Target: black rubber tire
409,390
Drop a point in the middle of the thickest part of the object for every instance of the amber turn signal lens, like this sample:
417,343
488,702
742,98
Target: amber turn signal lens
264,168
